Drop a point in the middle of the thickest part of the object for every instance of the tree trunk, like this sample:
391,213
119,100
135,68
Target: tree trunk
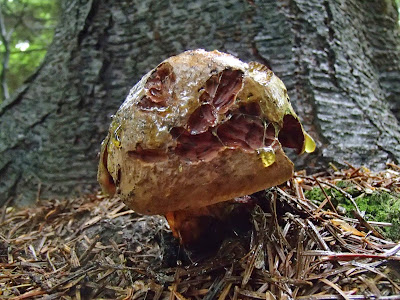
340,61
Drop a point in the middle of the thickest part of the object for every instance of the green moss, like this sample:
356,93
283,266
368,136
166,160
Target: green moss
337,197
378,205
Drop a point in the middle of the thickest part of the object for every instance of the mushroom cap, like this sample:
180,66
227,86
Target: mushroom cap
201,128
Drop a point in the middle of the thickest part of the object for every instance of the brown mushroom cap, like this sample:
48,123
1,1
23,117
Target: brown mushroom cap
201,128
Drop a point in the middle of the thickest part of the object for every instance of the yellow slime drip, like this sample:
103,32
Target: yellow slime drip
117,143
267,156
309,144
116,138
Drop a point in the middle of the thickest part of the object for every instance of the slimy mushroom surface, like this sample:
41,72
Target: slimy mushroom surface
199,129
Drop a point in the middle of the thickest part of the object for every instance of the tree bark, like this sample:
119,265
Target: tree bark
340,61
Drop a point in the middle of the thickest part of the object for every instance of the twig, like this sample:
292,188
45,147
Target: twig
4,210
367,225
335,287
346,194
85,254
327,198
348,256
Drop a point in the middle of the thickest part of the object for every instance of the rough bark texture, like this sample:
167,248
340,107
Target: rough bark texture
339,59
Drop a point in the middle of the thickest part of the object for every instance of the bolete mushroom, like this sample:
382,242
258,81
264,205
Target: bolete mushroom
199,129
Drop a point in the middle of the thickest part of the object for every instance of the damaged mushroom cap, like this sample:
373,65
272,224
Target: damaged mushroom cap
200,128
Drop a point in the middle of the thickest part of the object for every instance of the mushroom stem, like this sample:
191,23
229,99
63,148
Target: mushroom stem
207,226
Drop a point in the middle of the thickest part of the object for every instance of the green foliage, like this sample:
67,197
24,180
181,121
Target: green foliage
397,2
31,24
378,205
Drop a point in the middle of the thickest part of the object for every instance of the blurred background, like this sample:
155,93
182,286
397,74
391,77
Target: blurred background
27,29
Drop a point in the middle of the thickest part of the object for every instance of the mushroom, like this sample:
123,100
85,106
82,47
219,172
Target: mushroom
200,129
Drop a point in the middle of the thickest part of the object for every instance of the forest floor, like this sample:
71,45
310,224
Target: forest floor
323,236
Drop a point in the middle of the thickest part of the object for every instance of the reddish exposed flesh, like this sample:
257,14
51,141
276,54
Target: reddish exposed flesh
269,135
147,104
154,87
203,138
158,87
148,155
201,119
242,131
204,146
291,134
229,86
251,109
210,88
221,90
255,135
198,141
233,135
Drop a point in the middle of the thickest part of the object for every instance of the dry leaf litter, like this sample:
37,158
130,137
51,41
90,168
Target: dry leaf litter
93,247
